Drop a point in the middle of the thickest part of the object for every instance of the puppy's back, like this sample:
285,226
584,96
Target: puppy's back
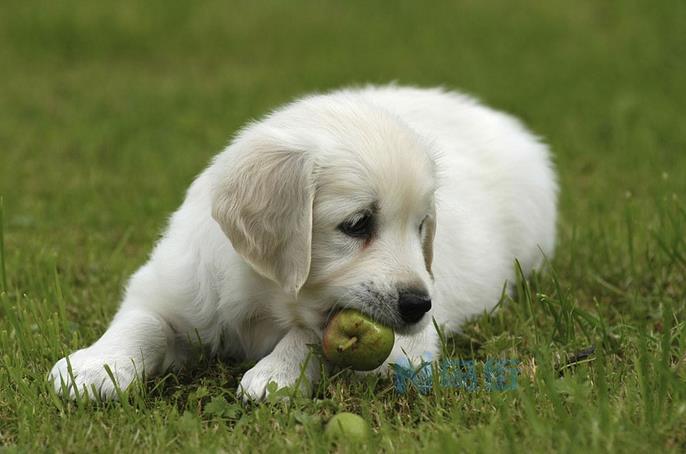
510,162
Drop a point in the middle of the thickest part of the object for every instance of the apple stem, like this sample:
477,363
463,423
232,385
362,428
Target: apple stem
347,344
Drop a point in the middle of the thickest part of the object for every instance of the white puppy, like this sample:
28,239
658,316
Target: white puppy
403,203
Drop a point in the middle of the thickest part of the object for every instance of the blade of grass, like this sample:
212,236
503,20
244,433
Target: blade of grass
3,275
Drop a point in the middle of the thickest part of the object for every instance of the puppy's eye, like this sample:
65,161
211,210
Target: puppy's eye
421,226
360,226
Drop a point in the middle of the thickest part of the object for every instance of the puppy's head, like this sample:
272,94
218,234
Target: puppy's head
333,201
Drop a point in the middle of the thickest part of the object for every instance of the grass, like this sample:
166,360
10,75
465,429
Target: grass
94,95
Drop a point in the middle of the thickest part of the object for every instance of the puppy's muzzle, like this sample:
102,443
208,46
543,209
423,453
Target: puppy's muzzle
413,303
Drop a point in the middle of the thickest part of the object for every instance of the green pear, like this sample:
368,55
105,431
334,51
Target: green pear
347,426
352,339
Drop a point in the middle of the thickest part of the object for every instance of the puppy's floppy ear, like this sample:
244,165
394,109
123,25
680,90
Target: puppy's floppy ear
429,232
262,199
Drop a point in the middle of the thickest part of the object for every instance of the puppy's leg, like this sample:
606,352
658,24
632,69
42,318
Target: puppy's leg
412,349
134,344
284,365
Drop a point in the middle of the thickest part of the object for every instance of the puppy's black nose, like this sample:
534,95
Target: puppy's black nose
413,304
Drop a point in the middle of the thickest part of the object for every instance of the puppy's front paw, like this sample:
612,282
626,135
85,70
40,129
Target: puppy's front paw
88,375
283,373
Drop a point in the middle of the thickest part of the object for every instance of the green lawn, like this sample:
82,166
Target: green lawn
107,111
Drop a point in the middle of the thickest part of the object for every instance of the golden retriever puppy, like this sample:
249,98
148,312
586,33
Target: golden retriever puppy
403,203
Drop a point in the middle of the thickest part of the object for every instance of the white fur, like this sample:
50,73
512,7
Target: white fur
481,182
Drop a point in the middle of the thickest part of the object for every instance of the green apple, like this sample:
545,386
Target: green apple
347,426
351,339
